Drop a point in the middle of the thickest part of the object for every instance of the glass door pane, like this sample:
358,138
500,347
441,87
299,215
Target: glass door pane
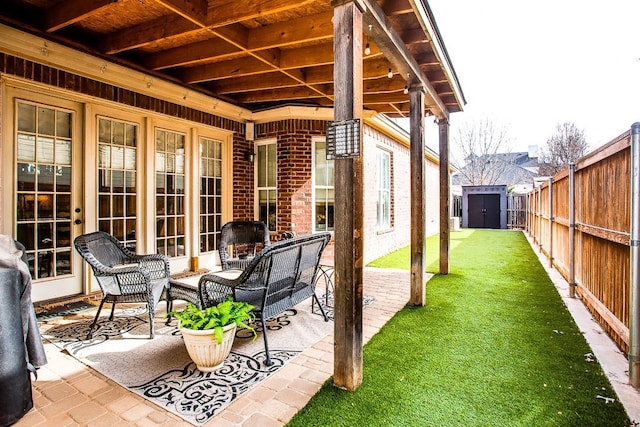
44,188
117,177
170,193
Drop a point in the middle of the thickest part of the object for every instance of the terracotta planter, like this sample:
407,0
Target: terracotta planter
204,350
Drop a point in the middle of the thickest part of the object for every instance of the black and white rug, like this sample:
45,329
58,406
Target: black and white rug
161,371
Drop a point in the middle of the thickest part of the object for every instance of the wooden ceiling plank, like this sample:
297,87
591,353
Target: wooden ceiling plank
403,62
193,10
301,92
302,30
148,32
396,7
59,16
307,56
226,69
226,12
191,54
385,98
252,83
413,36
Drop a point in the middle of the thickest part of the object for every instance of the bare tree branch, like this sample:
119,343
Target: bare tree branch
484,148
567,145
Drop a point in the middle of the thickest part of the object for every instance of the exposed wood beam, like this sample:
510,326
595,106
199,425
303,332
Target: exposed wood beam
148,32
193,10
309,28
250,83
308,56
72,11
390,42
384,85
396,7
226,69
194,53
278,35
385,98
412,36
220,14
224,12
302,92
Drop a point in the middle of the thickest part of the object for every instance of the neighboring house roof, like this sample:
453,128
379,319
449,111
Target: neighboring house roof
518,168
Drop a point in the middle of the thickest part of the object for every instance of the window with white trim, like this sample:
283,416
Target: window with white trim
383,202
323,189
267,180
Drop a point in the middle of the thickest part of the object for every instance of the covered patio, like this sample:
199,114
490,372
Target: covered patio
213,82
68,391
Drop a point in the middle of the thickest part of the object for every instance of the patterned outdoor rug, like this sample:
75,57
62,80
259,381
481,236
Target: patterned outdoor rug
161,371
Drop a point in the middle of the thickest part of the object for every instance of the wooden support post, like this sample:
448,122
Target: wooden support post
445,195
416,137
349,200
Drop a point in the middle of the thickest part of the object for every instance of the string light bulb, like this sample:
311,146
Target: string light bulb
390,73
367,49
406,90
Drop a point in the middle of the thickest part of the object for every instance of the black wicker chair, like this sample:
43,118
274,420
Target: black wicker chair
240,241
279,277
122,275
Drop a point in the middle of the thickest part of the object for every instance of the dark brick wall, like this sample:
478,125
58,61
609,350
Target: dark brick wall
295,188
30,70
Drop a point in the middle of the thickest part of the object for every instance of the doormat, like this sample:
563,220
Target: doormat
61,310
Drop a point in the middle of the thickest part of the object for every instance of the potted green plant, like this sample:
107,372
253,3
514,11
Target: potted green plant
208,333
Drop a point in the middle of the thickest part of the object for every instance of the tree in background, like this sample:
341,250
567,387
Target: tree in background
483,154
565,146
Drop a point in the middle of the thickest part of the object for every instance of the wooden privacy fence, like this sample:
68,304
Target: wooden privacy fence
581,220
516,211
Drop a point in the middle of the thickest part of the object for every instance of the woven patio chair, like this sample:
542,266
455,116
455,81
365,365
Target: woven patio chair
279,277
122,275
240,241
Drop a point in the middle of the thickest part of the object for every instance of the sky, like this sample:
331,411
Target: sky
529,66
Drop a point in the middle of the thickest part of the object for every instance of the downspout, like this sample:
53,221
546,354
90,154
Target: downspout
634,258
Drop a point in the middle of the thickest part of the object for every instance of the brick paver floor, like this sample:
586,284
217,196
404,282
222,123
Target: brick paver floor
68,393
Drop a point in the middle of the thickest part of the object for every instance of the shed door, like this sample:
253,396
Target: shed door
484,210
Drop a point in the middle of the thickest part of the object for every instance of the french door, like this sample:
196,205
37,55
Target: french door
47,192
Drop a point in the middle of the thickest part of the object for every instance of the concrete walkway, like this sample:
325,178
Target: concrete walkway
68,393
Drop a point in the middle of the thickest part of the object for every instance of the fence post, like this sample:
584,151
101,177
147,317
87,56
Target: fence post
540,218
572,230
634,297
550,221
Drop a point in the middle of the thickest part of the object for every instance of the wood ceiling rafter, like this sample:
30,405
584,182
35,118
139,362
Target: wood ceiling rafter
258,52
72,12
315,28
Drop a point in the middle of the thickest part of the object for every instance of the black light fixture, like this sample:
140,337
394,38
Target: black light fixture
249,156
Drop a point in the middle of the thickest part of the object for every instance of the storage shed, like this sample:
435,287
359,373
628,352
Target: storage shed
484,206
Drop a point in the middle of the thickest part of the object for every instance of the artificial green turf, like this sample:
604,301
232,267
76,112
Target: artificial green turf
493,346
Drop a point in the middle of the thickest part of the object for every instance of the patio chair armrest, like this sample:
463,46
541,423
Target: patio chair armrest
213,289
156,264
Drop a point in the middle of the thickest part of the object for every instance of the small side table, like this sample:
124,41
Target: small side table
325,277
